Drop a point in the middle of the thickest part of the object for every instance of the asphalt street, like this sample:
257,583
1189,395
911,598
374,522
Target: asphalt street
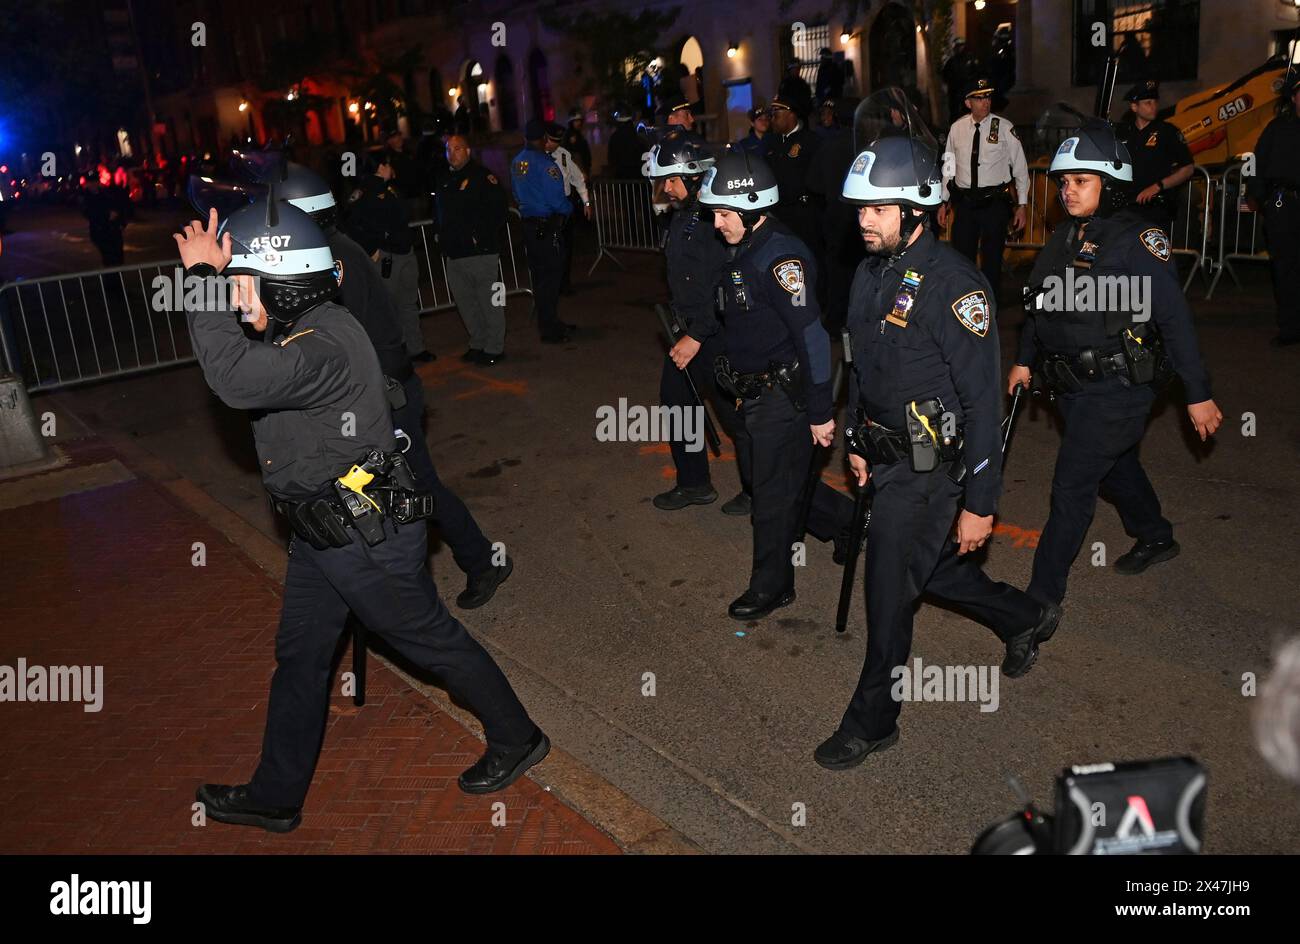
607,590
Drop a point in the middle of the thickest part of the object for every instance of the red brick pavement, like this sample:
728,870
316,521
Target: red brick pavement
105,577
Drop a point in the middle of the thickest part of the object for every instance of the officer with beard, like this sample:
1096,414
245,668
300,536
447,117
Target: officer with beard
927,434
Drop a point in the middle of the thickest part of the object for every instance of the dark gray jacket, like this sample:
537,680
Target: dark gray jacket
317,392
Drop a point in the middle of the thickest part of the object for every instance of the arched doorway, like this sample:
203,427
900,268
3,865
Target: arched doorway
507,94
691,81
539,86
893,49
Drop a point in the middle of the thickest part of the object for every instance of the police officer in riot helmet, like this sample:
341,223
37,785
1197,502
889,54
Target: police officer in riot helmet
1107,326
364,294
695,255
326,448
924,429
777,368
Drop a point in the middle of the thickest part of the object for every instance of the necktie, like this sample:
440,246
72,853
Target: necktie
975,159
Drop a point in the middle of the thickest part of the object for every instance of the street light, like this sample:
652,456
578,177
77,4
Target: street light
353,108
243,106
844,38
732,51
979,4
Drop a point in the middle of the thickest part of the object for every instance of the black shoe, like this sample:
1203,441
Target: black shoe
231,805
841,751
480,587
472,356
1285,340
751,606
1022,650
1144,555
678,497
424,357
740,505
491,360
498,769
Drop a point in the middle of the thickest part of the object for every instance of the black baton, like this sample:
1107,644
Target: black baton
710,432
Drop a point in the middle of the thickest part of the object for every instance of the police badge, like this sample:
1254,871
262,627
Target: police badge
973,312
789,275
794,150
1157,243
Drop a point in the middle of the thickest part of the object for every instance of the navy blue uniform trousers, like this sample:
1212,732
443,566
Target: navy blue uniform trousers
909,552
1099,453
390,590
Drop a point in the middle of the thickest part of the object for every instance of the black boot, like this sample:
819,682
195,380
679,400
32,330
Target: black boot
479,588
841,750
740,505
751,605
1022,650
678,498
231,805
1144,555
498,769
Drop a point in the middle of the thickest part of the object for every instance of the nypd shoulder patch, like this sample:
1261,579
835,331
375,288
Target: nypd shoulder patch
554,172
789,275
972,311
1157,243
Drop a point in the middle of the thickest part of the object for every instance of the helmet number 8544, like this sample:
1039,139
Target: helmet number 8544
270,242
733,184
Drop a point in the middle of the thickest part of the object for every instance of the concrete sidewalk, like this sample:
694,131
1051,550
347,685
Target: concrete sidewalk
103,569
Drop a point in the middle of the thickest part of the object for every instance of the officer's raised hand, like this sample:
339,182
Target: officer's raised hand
824,434
199,244
1205,417
861,470
1019,375
684,350
972,531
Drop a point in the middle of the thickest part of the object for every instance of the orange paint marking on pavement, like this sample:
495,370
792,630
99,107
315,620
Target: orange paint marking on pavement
514,388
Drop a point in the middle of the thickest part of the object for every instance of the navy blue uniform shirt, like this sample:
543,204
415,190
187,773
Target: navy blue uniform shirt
945,345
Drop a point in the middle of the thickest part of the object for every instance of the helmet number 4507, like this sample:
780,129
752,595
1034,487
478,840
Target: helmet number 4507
270,242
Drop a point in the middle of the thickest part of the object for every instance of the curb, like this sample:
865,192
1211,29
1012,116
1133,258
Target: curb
634,828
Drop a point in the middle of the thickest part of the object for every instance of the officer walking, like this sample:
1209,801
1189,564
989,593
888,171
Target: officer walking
1275,190
472,209
378,219
364,295
1161,158
695,255
987,158
359,541
925,385
1105,361
538,186
777,367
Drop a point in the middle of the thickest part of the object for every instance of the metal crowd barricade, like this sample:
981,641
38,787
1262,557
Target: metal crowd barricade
1240,229
625,218
64,330
433,287
1190,231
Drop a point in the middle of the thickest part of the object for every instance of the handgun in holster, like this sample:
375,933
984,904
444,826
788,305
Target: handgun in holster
364,511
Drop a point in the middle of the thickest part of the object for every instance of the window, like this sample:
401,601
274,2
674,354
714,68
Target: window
1157,39
803,48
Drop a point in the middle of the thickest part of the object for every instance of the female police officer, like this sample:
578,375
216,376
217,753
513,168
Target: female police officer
1094,288
320,407
924,335
778,368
